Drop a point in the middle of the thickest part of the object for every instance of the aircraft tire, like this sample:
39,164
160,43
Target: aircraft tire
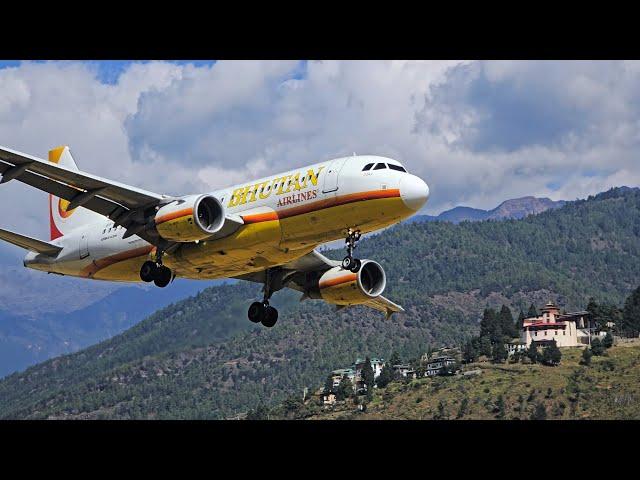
162,276
147,271
355,266
270,317
256,312
347,262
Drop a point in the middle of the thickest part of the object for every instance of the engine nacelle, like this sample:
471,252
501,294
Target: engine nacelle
192,218
343,287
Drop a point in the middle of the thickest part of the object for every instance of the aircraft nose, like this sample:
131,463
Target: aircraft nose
414,192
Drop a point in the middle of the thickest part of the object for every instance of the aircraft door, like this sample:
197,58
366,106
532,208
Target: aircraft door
84,246
331,177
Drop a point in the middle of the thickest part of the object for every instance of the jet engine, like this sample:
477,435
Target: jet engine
343,287
189,219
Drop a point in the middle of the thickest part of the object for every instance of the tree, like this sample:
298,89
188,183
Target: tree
469,353
506,322
499,353
501,408
484,346
596,347
260,413
607,342
345,389
489,326
328,384
395,359
540,413
520,321
631,314
367,377
532,311
386,375
551,355
586,357
532,353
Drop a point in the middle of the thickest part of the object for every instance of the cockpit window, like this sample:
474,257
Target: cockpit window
380,166
367,167
399,168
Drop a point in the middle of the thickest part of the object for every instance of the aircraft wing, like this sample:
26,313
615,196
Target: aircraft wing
292,275
29,243
106,197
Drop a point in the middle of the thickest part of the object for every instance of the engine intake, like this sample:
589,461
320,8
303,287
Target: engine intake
191,218
343,287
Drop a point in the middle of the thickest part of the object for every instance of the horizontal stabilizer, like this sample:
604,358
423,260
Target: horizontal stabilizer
29,243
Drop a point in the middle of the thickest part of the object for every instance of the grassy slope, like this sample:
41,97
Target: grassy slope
607,389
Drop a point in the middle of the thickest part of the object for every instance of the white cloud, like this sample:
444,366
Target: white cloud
478,132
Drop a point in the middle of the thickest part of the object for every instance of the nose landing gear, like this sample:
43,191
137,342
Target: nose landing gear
262,312
156,272
348,262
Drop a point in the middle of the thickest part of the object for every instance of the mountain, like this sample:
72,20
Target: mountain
28,339
509,209
201,358
604,390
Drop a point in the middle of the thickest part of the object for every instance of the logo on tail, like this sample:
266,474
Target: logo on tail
58,206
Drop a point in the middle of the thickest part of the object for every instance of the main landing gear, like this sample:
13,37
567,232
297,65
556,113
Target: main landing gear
262,312
156,272
348,262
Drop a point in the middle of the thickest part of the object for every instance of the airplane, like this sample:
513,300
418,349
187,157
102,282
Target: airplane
265,230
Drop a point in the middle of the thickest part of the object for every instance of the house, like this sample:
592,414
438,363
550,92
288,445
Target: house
328,398
434,366
568,330
515,346
376,366
404,371
337,375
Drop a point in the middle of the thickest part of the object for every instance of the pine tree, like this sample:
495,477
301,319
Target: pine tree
367,377
506,322
395,359
607,342
469,353
551,355
631,314
499,353
386,375
345,389
489,325
501,408
520,322
532,353
586,357
596,347
484,346
532,311
328,384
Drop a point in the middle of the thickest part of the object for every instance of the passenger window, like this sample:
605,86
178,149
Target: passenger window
367,167
380,166
399,168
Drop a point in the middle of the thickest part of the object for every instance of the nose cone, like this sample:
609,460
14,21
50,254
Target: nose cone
414,192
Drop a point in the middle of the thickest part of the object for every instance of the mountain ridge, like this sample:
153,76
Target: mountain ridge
200,357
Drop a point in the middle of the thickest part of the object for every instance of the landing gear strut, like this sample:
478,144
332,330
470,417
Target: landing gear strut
262,312
156,272
348,262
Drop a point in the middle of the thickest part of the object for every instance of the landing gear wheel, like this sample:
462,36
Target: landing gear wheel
270,316
355,265
347,263
147,271
162,276
256,312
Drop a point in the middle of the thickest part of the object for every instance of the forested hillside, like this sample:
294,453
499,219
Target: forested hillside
200,358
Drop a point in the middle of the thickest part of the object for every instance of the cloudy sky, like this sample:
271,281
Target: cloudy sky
477,132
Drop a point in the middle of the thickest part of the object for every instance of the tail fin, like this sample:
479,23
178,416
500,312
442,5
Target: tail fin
62,221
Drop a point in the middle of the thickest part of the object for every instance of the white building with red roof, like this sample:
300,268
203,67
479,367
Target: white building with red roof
568,330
